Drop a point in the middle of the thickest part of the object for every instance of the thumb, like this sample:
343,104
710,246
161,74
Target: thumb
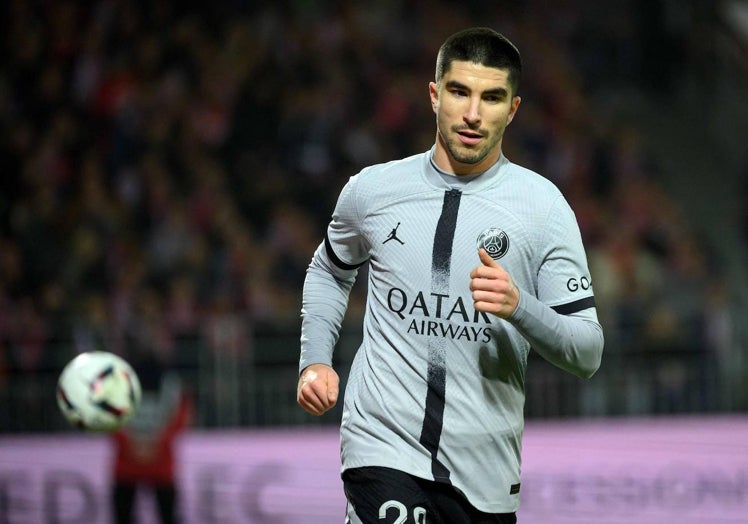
332,387
486,259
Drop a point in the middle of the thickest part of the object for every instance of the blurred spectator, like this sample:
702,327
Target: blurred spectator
145,448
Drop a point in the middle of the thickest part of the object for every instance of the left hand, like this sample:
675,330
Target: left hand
493,289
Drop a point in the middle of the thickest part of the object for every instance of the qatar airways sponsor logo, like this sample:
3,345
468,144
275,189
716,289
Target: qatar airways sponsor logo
439,315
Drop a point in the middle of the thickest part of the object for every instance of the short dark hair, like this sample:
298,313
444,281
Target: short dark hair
481,45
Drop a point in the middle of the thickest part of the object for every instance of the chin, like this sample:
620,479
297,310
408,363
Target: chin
469,160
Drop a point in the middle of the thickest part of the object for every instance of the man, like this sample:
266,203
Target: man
489,263
145,449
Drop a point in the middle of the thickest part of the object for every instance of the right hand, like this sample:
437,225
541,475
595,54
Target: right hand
317,391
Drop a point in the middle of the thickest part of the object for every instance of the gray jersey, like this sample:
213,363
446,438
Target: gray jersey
437,389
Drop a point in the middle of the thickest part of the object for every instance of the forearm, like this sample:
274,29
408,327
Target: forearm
571,342
324,302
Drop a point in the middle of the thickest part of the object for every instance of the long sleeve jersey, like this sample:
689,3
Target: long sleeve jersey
437,389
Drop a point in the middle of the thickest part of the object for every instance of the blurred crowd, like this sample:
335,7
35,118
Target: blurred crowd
167,166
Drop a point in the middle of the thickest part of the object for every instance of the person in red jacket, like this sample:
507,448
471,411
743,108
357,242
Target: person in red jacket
145,447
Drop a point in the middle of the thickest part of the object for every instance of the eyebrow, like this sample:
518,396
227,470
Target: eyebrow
499,91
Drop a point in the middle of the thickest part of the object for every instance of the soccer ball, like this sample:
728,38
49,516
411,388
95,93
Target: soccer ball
98,391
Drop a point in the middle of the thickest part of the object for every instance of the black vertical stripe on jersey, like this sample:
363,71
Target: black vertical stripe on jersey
437,374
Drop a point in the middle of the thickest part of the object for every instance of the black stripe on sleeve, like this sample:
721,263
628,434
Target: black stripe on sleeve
335,259
573,307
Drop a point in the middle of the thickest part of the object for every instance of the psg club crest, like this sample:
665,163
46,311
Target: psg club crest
494,241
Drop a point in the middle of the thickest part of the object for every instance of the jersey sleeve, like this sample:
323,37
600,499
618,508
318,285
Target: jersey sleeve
344,243
329,279
564,281
561,322
572,342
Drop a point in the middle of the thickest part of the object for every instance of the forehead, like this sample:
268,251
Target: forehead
472,74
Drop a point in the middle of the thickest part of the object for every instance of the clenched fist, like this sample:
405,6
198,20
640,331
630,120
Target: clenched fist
317,391
493,288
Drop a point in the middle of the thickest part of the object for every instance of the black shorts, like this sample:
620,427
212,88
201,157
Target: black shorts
387,496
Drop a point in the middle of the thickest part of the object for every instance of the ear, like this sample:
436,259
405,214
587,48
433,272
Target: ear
434,95
513,109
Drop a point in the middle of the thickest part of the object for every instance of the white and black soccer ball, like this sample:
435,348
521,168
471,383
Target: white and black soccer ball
98,391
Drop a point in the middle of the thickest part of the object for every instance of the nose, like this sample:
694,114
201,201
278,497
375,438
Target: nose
472,111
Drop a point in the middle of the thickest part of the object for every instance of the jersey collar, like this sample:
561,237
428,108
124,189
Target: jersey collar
465,183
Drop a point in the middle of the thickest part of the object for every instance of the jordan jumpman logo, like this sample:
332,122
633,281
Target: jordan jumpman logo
393,235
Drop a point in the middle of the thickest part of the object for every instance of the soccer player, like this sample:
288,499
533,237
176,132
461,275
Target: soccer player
473,261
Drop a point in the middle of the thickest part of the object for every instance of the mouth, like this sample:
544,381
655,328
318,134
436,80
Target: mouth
468,137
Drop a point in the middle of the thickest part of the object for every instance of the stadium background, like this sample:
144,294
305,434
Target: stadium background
168,168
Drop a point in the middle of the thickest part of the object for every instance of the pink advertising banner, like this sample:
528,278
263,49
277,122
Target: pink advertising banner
602,471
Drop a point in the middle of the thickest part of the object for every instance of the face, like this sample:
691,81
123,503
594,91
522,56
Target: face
473,105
